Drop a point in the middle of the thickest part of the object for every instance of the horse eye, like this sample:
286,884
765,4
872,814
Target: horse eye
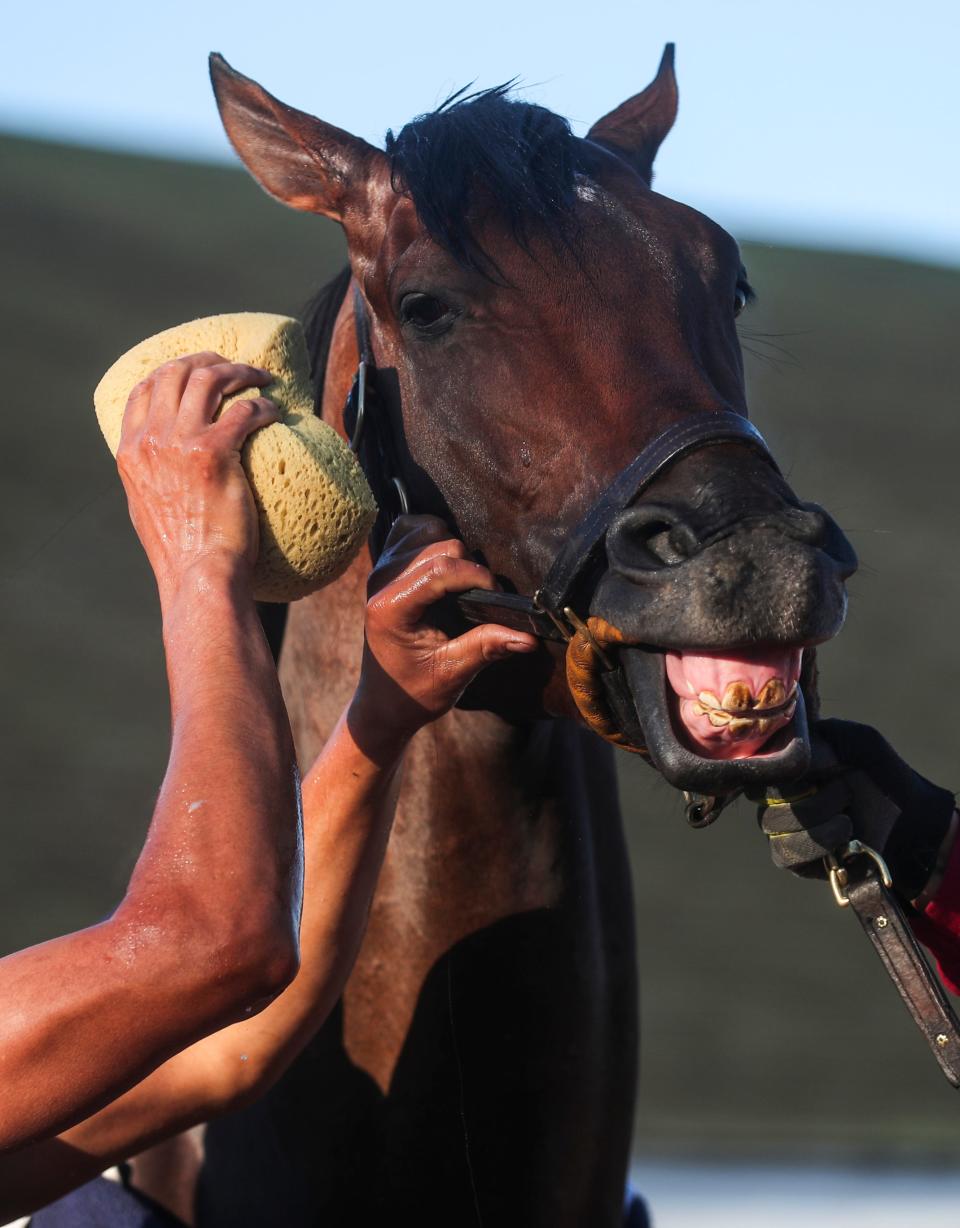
740,299
424,311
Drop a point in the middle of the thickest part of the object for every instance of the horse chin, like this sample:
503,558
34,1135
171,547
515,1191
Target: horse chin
699,757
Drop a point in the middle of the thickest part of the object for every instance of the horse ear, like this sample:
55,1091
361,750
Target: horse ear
636,129
301,161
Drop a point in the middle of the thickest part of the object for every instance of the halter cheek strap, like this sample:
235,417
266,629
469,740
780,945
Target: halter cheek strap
371,437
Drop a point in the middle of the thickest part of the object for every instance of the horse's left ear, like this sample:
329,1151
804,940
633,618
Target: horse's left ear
635,130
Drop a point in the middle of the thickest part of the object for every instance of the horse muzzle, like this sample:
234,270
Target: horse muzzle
693,650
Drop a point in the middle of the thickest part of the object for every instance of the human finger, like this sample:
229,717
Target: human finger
135,413
804,826
461,659
412,528
402,562
168,384
239,420
206,387
409,596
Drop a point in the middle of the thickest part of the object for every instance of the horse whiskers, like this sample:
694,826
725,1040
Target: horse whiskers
766,339
767,358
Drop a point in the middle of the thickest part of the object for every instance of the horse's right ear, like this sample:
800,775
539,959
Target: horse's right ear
301,161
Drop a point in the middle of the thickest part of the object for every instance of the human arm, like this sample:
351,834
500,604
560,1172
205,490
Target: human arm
411,674
207,927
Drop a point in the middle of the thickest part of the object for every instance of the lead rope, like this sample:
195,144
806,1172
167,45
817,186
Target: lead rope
861,880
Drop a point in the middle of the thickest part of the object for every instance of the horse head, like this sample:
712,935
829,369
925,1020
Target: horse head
539,316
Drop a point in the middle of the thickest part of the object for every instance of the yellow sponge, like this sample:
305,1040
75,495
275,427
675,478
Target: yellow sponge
315,506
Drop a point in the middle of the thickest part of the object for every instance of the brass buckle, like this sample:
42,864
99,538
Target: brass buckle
565,629
571,626
839,877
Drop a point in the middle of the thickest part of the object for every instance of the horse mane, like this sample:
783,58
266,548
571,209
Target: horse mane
488,151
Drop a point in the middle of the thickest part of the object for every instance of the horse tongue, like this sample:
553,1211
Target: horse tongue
711,691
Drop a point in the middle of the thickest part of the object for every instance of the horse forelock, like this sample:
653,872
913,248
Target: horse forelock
488,152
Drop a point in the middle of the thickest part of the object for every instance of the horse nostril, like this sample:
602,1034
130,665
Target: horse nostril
812,525
808,523
671,544
651,534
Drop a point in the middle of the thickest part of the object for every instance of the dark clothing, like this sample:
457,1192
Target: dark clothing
104,1204
107,1204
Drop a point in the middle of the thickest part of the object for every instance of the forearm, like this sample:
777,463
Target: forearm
207,929
349,801
230,791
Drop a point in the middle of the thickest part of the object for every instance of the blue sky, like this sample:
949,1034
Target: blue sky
831,123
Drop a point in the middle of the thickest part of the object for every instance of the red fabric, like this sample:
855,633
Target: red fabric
938,928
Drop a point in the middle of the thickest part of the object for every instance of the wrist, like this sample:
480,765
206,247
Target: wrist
382,735
218,573
944,857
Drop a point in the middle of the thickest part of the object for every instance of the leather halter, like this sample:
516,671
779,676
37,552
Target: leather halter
549,613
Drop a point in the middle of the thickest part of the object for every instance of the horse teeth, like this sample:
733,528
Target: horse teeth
772,694
737,697
718,719
709,700
697,708
738,724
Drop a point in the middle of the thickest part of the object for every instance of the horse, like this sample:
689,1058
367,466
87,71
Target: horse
537,317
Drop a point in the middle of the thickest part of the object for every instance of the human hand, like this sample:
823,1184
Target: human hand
859,788
189,498
412,672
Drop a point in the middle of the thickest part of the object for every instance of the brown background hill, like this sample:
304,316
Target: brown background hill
768,1024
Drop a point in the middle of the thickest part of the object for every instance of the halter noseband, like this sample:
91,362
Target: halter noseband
549,613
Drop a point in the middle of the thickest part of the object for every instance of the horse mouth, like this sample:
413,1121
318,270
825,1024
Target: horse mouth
729,707
716,723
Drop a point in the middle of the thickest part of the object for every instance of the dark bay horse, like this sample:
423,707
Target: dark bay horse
537,314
